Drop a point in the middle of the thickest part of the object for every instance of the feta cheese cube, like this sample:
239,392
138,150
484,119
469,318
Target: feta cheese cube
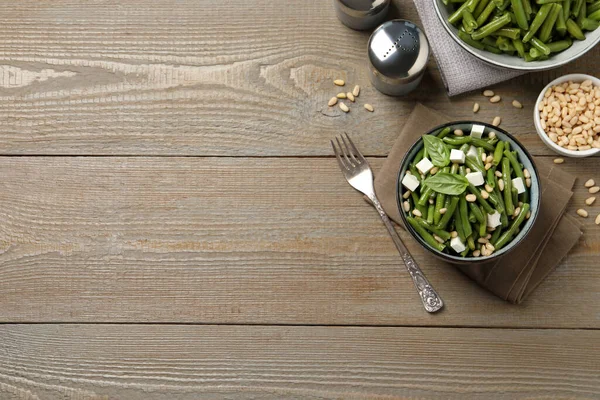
475,178
457,156
518,184
410,182
424,165
457,245
472,153
493,220
477,131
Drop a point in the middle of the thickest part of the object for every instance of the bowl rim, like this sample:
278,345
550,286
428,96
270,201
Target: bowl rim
501,64
457,259
538,126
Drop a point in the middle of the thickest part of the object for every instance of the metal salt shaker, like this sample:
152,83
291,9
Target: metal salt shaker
361,15
398,53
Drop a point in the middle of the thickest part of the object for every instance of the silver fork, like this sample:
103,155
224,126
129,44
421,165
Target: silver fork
358,173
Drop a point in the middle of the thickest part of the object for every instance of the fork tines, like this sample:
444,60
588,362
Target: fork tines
346,152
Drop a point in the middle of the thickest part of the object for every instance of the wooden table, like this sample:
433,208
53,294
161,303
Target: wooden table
172,223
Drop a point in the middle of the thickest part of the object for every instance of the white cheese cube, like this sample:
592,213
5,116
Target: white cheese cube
472,153
424,165
518,184
493,220
477,131
457,245
457,156
475,178
410,182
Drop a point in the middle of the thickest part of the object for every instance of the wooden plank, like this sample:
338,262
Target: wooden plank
195,77
232,240
154,362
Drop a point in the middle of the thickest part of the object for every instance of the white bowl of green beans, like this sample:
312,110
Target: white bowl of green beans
449,207
526,35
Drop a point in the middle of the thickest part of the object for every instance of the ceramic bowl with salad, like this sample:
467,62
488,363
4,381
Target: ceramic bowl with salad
468,192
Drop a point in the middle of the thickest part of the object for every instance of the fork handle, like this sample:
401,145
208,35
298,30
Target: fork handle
431,300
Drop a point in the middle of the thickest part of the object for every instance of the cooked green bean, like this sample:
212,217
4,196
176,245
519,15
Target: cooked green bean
561,26
539,45
440,232
425,235
528,9
517,169
537,22
498,151
576,7
480,7
420,208
506,236
482,143
593,7
595,15
491,27
574,30
458,224
589,25
477,213
440,199
520,16
495,236
547,1
508,203
469,22
582,14
548,25
519,47
457,140
449,212
444,132
555,47
430,213
485,14
458,14
511,33
486,206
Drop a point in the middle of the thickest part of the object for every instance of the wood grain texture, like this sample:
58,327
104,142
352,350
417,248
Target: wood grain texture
149,362
195,77
232,240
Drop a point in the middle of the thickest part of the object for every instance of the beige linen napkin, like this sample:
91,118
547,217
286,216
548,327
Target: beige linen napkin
514,276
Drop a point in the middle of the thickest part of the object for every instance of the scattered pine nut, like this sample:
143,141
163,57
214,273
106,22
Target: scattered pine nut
528,182
597,219
517,211
589,183
475,107
483,157
332,102
488,93
520,204
406,194
488,236
454,234
356,91
497,121
490,246
341,95
431,201
344,107
471,198
492,135
501,184
582,213
406,206
517,104
594,189
526,173
559,160
443,211
476,253
528,215
438,239
488,166
495,99
458,132
498,174
488,188
590,200
489,159
339,82
468,170
485,194
417,213
483,240
369,108
434,170
350,96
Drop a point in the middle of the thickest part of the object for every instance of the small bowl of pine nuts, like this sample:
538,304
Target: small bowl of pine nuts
567,115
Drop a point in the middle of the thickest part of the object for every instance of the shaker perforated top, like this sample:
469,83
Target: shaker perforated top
398,49
364,5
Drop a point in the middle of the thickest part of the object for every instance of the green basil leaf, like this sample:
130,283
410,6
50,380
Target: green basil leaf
450,184
436,149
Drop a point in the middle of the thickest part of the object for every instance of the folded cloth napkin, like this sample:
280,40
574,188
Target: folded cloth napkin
461,72
514,276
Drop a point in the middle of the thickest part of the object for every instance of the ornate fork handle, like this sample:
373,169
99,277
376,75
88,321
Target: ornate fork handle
431,300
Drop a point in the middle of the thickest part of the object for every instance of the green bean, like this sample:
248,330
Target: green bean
547,1
511,33
440,199
413,170
491,27
477,213
462,170
506,236
464,148
574,29
519,47
482,229
472,218
576,8
490,179
528,9
561,45
537,22
589,24
566,8
415,199
480,7
561,26
444,132
419,156
489,41
541,46
464,215
486,206
515,195
508,203
516,166
496,202
449,213
440,232
477,159
454,168
458,14
582,14
548,25
430,213
469,22
495,236
498,151
457,141
535,53
520,16
425,235
485,14
504,5
459,224
482,143
593,7
471,242
595,15
469,162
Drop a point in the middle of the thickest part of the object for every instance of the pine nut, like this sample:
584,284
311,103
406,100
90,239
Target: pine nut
597,219
488,166
476,253
488,93
344,107
495,99
489,159
369,108
483,157
590,200
496,121
350,96
406,195
582,213
438,239
485,195
341,96
482,240
528,215
458,132
339,82
406,206
453,234
517,211
417,213
332,102
356,91
498,174
488,236
594,189
490,246
526,173
492,135
528,182
471,198
501,184
443,211
559,160
431,201
589,183
520,204
475,107
468,170
488,188
434,170
517,104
